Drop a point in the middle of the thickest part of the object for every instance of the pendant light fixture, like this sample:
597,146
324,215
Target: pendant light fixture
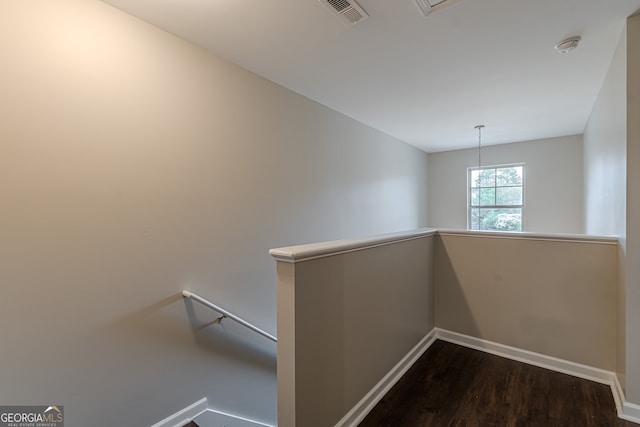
479,127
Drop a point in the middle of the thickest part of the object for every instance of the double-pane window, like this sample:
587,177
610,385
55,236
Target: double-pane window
496,198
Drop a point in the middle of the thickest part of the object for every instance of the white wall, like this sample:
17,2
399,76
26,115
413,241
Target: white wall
605,175
612,182
633,213
605,142
133,165
553,183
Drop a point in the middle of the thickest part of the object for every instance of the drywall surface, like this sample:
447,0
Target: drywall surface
605,176
551,296
134,165
553,183
605,154
345,319
633,213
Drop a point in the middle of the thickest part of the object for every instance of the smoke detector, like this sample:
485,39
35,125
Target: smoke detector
347,10
429,6
567,45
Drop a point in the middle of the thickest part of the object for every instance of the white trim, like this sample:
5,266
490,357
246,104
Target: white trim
197,409
229,418
529,357
293,254
627,411
618,395
630,412
495,206
185,415
573,238
371,399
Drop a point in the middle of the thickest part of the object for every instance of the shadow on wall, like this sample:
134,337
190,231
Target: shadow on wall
224,337
161,327
452,312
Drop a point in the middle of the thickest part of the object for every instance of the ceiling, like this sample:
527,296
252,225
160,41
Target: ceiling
425,80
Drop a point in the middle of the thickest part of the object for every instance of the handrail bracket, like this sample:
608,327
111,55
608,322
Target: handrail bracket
227,314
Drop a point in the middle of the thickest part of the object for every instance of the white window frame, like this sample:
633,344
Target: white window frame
470,207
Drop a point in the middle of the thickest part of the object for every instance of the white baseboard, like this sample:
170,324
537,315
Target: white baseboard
371,399
630,412
627,411
207,417
618,395
185,415
215,418
529,357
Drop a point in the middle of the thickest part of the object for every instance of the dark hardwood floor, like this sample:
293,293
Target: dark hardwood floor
452,385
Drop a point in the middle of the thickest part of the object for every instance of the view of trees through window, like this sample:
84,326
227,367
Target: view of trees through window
496,198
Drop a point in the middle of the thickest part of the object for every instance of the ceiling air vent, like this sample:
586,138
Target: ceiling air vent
348,10
429,6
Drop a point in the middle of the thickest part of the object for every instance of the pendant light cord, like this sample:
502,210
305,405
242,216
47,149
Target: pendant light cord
479,127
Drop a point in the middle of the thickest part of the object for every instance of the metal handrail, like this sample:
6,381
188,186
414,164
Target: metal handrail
228,314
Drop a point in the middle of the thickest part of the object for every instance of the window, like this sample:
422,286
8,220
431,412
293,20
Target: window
496,198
